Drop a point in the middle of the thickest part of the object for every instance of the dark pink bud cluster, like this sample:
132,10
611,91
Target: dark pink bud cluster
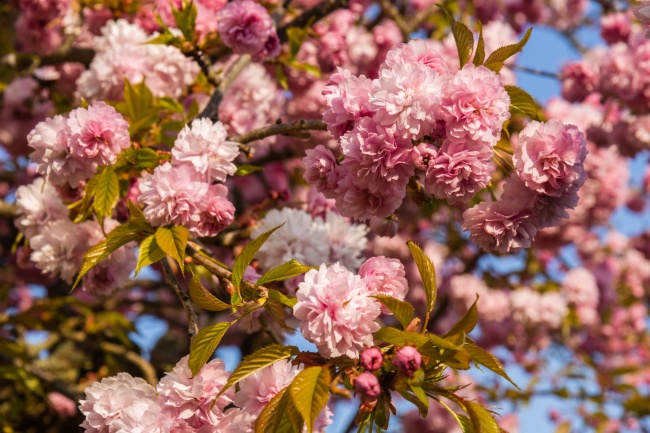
407,360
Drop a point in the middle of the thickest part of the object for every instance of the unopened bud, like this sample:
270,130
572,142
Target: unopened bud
367,385
407,360
371,359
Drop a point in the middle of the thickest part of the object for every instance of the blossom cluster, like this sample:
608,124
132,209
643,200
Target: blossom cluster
68,150
183,192
182,403
335,307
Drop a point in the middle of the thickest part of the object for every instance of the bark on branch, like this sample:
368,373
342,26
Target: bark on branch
192,318
290,128
310,16
211,111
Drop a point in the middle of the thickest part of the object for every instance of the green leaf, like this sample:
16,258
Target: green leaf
482,420
296,37
486,359
203,298
246,256
107,192
257,361
204,344
281,77
173,240
310,392
500,55
479,55
464,39
306,67
186,19
427,272
119,236
400,338
245,169
148,253
442,343
279,416
276,310
521,101
282,298
422,396
403,311
466,323
287,270
415,400
136,217
138,100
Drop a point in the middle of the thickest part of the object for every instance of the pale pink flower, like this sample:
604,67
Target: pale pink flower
361,204
203,145
216,212
418,51
579,80
550,157
347,98
38,204
335,312
105,400
500,226
458,171
464,288
384,276
407,97
322,171
236,421
172,195
51,141
538,309
475,105
37,36
256,390
64,406
375,159
247,28
97,134
190,398
580,288
347,241
147,415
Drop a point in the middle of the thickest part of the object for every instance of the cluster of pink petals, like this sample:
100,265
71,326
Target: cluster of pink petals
179,195
38,204
247,28
347,99
385,276
38,27
257,389
70,150
335,312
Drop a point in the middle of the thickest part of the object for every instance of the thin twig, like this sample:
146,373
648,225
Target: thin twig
192,319
204,62
280,129
535,71
393,13
310,16
211,111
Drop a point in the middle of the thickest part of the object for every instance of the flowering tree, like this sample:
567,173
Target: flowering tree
362,174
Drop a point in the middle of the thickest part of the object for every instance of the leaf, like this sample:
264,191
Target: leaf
204,344
415,400
119,236
500,55
276,310
173,240
482,420
245,169
466,323
523,102
442,343
257,361
287,270
422,396
400,338
403,311
203,298
138,100
281,77
282,298
296,37
136,217
310,393
427,272
107,192
479,55
279,415
486,359
464,39
186,19
148,253
246,256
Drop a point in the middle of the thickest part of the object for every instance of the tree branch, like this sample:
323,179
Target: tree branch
280,129
211,111
192,318
8,210
310,16
393,13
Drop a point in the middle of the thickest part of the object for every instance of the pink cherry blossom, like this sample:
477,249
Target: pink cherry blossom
335,312
347,99
256,390
322,170
360,204
384,276
246,27
38,204
418,51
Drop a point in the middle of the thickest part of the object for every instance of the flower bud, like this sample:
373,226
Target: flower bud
367,385
407,360
371,359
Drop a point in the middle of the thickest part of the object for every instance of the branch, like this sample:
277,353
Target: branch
310,16
147,369
192,319
535,71
280,129
78,55
211,111
393,13
7,210
204,63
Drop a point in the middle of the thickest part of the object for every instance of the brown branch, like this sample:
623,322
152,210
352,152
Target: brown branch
8,210
535,71
78,55
192,318
290,128
204,63
393,13
310,16
211,111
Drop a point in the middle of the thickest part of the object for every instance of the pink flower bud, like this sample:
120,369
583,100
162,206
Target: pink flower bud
407,360
371,359
367,385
